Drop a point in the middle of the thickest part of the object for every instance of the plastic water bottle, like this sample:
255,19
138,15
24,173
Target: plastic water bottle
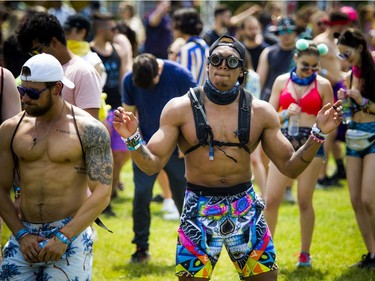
346,111
293,128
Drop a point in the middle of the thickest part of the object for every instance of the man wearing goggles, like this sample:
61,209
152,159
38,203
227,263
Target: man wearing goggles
218,169
56,215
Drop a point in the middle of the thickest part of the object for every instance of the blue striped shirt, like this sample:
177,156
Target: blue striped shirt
193,56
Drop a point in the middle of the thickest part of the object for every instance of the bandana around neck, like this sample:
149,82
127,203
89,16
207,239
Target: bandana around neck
301,81
219,97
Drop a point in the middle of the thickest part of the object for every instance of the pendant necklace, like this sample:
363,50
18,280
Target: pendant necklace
35,139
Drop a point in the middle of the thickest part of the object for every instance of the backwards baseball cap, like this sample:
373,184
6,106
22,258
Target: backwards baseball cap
285,23
44,68
232,42
78,21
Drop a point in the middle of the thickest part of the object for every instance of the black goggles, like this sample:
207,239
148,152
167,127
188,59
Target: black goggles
231,62
31,93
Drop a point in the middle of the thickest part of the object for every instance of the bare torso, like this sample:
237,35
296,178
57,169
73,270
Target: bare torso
330,62
222,171
53,178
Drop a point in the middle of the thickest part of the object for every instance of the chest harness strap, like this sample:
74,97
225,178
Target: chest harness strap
204,131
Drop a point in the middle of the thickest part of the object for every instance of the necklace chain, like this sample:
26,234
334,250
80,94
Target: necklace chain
297,93
35,139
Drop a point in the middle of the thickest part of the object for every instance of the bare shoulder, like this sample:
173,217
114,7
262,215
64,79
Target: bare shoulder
323,81
264,113
177,108
283,78
88,125
7,129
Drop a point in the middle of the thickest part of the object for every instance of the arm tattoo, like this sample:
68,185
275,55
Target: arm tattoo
99,163
145,153
300,154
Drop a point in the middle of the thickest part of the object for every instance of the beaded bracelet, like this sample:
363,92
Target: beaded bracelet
61,236
134,141
22,233
317,135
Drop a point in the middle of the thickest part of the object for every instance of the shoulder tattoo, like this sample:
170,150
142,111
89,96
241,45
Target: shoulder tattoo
99,162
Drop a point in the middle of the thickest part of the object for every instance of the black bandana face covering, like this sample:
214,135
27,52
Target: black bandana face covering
219,97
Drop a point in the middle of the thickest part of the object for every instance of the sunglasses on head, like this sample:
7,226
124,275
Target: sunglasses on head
31,93
231,62
345,55
37,50
285,31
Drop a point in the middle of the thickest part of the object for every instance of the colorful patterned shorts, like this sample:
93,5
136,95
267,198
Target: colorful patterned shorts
212,220
75,263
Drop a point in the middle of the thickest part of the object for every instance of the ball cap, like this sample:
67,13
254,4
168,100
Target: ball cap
232,42
44,68
78,21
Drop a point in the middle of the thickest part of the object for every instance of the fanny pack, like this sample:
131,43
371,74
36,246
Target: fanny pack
359,140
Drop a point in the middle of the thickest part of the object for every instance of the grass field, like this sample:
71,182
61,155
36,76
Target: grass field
337,243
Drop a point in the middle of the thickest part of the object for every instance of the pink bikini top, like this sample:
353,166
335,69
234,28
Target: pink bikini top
310,103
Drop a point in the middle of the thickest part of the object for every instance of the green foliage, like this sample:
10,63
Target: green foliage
337,243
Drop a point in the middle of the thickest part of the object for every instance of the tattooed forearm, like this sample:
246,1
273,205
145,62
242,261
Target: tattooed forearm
302,151
145,153
99,162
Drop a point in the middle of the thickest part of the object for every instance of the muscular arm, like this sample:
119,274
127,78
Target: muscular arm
280,150
99,168
153,157
7,209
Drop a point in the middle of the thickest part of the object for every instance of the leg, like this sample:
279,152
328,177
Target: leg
306,186
368,194
143,185
164,184
175,169
275,188
119,159
354,176
169,207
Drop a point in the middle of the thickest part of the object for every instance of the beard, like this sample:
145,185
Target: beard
36,110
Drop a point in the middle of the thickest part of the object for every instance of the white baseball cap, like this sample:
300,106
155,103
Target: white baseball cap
44,68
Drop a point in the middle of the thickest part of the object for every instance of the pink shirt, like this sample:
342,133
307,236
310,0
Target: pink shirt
88,90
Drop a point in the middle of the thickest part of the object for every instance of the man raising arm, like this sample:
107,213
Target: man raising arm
221,207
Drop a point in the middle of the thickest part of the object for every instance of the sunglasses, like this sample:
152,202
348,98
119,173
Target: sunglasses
231,62
345,55
306,68
321,23
285,31
31,93
37,50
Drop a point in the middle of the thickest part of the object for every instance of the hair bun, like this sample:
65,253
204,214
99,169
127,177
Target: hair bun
323,49
302,44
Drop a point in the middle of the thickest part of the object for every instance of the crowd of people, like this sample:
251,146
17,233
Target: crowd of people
205,109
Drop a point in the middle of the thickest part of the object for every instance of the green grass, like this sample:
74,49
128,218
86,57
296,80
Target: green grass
336,243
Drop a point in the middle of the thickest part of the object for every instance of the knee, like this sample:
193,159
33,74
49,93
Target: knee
369,205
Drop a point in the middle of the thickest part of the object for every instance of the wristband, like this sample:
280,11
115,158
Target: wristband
61,236
317,135
323,72
134,141
284,114
22,233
